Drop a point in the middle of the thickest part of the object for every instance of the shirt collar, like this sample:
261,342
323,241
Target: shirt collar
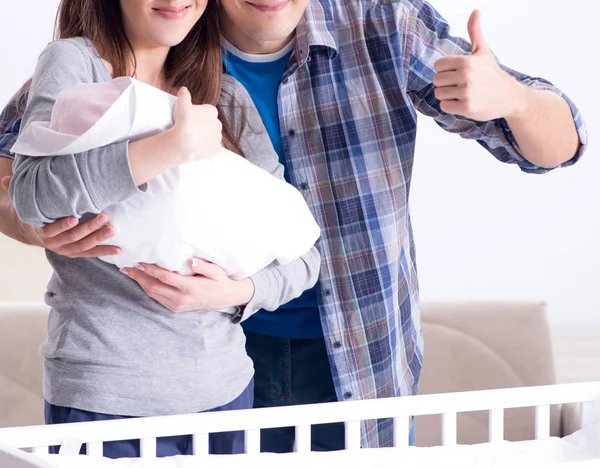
257,58
316,29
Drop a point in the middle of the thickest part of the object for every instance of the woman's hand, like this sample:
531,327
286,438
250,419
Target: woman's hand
209,289
196,133
197,128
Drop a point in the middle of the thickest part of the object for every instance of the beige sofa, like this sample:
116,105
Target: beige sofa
485,345
469,346
22,330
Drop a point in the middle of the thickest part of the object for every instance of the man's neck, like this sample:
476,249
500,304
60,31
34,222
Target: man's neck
249,45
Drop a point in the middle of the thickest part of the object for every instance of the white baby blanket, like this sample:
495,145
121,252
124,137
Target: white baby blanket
223,209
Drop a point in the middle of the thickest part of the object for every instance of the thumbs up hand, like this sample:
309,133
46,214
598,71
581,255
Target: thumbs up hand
474,86
478,43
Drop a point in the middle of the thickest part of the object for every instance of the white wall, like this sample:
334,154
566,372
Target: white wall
483,229
24,271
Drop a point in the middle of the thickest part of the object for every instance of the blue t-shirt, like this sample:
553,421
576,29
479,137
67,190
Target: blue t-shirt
261,76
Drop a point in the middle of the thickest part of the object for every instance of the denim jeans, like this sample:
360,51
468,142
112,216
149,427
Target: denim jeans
294,372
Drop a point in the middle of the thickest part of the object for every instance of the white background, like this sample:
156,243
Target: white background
483,229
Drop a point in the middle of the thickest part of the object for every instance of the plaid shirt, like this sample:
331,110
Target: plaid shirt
347,106
10,123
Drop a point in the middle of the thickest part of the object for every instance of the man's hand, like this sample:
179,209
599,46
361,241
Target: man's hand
210,289
69,238
474,86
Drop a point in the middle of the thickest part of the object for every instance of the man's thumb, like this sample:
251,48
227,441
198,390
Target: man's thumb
5,183
478,42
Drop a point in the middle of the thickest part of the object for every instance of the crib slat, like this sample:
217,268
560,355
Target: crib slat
42,437
496,425
94,449
303,439
40,450
352,435
401,431
252,440
586,414
542,422
449,429
200,444
148,447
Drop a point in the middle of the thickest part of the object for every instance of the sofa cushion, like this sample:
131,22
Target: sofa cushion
22,330
480,346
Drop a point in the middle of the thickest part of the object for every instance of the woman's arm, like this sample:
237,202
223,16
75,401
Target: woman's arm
66,237
269,288
46,189
276,284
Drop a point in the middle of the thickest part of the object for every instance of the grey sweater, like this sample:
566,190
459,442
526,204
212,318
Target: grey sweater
110,348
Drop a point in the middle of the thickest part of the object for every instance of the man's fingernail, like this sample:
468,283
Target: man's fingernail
140,267
72,222
124,271
193,262
102,220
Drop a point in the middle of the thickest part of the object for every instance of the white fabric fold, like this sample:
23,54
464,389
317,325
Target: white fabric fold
223,209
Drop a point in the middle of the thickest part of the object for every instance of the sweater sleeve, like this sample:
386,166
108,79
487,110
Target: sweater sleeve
275,284
45,189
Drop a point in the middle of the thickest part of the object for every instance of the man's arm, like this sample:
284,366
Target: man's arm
519,119
10,224
543,127
476,87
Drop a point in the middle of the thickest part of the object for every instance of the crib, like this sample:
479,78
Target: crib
70,437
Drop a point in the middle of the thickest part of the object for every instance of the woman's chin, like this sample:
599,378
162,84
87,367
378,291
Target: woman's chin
170,40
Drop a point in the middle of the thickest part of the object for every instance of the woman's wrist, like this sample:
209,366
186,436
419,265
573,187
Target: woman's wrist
242,292
151,156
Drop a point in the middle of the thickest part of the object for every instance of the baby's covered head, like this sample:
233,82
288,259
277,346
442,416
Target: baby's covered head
77,109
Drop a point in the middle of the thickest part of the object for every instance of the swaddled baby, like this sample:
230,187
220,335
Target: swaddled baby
223,209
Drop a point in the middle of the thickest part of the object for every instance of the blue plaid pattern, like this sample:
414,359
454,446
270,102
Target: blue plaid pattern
360,71
10,123
348,103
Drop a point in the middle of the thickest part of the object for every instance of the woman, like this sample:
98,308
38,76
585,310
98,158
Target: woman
112,351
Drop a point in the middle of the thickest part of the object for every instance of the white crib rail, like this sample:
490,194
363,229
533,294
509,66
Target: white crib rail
303,417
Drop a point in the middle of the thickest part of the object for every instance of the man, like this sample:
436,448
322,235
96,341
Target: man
337,84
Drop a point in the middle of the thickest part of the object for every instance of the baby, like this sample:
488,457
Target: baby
196,209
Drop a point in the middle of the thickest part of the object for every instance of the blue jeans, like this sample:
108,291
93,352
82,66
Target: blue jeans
294,372
221,443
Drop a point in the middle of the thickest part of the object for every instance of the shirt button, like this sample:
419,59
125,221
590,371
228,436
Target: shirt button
348,395
327,292
304,186
291,132
337,345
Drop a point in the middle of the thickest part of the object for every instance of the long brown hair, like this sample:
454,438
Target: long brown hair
195,63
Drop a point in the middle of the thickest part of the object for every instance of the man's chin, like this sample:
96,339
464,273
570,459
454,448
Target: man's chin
270,34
